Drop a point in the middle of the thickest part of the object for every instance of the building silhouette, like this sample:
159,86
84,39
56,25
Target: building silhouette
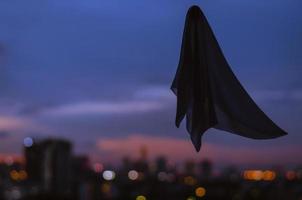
48,165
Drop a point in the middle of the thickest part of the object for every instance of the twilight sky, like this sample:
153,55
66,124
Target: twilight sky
98,73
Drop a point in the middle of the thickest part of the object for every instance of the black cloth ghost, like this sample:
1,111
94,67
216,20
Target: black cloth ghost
208,93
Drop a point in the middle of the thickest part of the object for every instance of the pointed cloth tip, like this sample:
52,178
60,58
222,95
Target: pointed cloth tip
196,140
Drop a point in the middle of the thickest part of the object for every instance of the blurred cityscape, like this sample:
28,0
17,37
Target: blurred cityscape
50,170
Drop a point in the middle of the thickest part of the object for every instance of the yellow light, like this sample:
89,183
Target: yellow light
191,198
257,175
140,197
14,175
22,175
248,174
189,180
200,191
170,177
269,175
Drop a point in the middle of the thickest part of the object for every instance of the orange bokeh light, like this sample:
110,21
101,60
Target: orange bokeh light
257,175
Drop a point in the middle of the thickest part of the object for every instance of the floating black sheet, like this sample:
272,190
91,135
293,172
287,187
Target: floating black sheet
208,93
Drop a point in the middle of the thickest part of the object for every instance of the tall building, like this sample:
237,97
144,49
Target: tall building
48,164
34,156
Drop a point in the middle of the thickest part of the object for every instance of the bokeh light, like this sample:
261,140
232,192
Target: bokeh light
162,176
257,175
18,175
108,175
269,175
22,175
133,175
290,175
189,180
28,142
141,197
98,167
200,191
14,175
191,198
9,160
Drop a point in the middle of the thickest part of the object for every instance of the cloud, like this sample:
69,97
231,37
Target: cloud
181,149
104,107
146,99
20,125
276,95
161,92
12,123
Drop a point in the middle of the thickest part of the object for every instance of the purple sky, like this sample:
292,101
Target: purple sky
99,72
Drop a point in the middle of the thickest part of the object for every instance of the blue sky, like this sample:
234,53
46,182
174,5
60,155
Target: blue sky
96,70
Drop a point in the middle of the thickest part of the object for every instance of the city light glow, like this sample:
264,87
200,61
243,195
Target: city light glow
162,176
269,175
189,180
141,197
191,198
9,160
133,175
22,175
14,175
28,141
98,167
108,175
290,175
18,175
257,175
200,191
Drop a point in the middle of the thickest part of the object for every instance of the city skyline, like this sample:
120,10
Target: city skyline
52,171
